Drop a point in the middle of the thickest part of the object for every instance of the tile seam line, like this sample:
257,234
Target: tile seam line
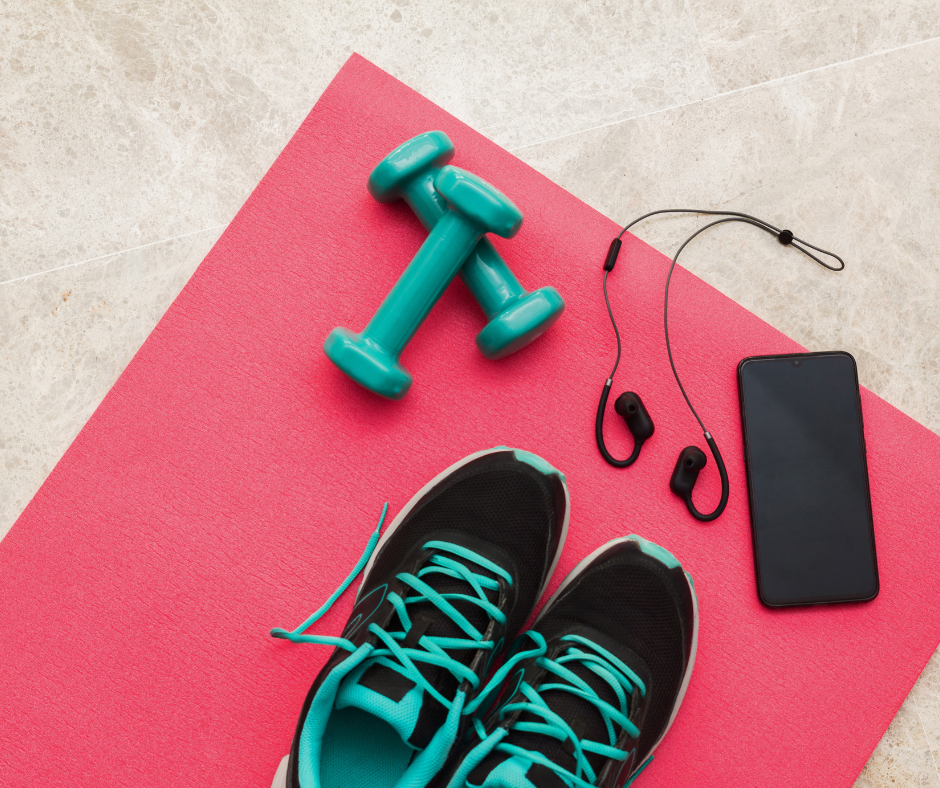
111,254
698,40
770,82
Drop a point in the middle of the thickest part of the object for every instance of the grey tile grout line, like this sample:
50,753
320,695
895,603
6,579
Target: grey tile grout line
778,80
698,40
111,254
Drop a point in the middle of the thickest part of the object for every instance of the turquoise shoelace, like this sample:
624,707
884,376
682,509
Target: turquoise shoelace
622,682
453,561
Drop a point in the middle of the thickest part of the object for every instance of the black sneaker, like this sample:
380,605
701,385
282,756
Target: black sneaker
450,584
614,649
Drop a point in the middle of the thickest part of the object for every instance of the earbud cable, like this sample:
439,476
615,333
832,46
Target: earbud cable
785,237
602,404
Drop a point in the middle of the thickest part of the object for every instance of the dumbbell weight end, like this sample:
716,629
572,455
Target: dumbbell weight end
516,317
367,363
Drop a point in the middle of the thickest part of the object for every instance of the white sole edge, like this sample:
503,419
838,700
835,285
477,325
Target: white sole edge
687,677
280,776
406,510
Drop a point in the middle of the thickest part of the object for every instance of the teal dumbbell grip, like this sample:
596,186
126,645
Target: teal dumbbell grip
490,280
516,317
422,283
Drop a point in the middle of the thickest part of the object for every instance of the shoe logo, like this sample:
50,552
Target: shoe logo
372,605
626,764
518,679
496,650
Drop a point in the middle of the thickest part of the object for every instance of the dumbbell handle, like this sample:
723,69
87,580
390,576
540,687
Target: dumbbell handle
485,272
423,282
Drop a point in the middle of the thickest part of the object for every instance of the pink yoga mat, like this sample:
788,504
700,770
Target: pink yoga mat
230,479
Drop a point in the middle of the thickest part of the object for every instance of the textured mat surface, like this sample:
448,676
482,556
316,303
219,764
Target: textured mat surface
232,476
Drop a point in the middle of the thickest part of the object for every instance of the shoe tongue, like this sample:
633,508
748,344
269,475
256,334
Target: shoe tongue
385,694
390,696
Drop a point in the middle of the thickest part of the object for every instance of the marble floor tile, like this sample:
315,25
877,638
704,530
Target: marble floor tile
926,696
124,123
902,758
847,157
67,336
752,41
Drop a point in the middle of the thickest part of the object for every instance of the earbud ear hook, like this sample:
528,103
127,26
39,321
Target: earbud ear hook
690,463
629,406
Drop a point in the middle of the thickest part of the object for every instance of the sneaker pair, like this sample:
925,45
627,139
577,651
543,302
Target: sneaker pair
411,696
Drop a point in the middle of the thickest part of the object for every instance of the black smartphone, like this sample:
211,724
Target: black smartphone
807,479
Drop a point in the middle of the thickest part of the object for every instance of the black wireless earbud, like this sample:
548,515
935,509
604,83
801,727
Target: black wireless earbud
691,460
634,413
629,405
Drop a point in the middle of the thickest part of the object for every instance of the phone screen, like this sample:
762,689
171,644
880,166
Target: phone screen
804,450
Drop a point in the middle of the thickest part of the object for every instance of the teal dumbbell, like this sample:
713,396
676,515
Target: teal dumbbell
473,209
516,316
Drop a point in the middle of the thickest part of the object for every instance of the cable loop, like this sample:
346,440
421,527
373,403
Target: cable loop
785,237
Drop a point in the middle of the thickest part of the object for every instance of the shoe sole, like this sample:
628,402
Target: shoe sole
656,554
280,777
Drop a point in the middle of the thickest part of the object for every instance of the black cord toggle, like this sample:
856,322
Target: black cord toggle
785,237
612,253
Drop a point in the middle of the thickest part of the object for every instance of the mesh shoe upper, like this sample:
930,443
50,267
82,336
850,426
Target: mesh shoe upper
509,511
496,498
619,644
471,552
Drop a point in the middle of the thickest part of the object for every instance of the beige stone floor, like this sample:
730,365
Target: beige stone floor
131,132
